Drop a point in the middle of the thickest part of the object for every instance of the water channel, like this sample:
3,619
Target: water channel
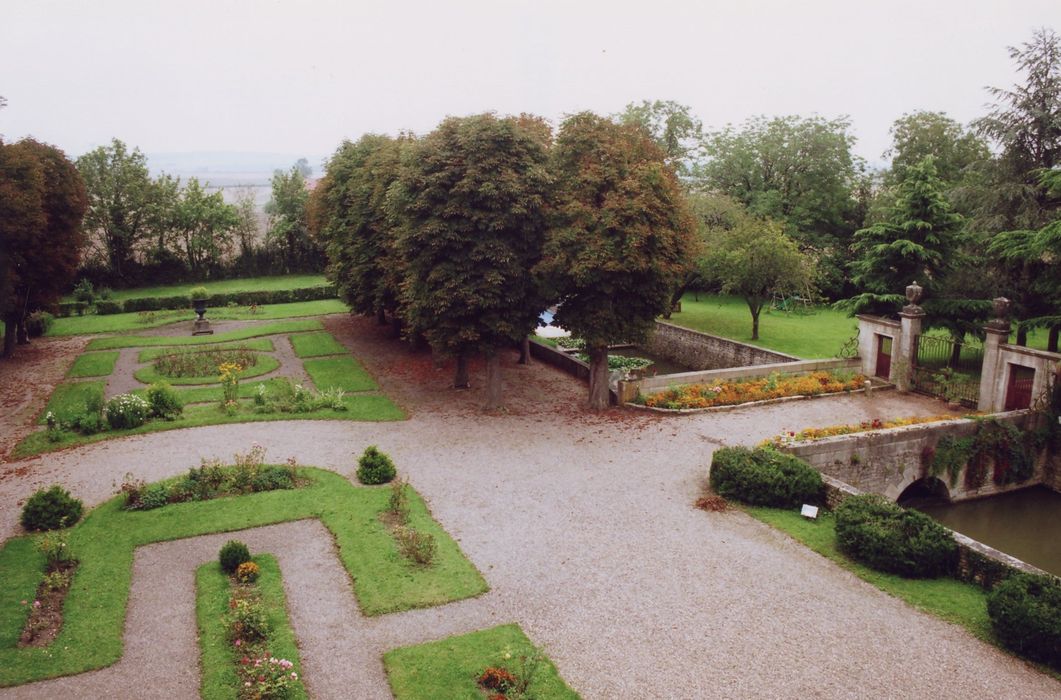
1023,524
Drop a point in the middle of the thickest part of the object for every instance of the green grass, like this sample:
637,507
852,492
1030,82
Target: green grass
316,345
361,407
248,284
955,601
343,372
94,364
69,398
105,540
258,345
137,341
217,658
450,667
117,323
150,375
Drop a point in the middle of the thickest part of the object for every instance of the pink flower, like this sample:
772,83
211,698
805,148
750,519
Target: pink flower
294,676
239,642
36,603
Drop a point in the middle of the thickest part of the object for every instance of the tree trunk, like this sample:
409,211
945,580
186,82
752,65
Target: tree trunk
493,381
460,378
9,337
598,377
755,307
23,332
524,351
1022,335
1051,340
381,317
955,350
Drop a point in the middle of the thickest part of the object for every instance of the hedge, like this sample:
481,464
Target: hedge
277,296
887,537
1025,612
764,477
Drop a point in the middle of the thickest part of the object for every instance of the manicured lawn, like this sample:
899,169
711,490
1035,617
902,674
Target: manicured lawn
247,284
69,398
257,344
316,345
137,341
150,375
361,407
955,601
105,540
94,364
807,336
449,668
343,372
217,658
116,323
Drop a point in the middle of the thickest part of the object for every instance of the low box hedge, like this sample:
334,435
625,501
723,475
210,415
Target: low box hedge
887,537
764,477
261,297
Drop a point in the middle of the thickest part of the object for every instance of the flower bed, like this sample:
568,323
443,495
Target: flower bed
775,386
808,434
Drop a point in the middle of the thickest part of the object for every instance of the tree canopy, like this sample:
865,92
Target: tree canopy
955,150
288,231
673,126
620,240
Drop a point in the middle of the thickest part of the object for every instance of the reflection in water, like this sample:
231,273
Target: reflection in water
1022,523
659,364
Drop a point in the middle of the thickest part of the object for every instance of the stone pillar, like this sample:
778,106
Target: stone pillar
905,355
997,333
627,390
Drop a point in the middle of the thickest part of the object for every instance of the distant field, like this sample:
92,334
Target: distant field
247,284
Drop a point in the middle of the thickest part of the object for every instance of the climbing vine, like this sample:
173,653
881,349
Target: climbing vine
1005,449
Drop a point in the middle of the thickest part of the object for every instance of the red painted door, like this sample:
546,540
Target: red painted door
884,356
1019,388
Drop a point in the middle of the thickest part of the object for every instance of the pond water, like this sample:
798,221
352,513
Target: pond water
659,364
1022,523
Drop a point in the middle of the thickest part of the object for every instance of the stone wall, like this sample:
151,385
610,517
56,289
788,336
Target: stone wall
887,461
700,351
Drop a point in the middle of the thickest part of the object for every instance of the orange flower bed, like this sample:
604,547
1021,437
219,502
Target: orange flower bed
866,425
760,389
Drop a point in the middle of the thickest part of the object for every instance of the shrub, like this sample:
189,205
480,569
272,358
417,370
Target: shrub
764,477
154,496
887,537
232,555
165,402
38,323
198,293
104,308
398,503
247,620
55,548
375,467
499,679
416,546
272,478
247,572
83,291
88,423
126,411
1025,612
51,509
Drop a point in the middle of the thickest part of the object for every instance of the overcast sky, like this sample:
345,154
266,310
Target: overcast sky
297,77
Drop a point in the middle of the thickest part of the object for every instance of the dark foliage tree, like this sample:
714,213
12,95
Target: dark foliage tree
42,204
474,197
620,241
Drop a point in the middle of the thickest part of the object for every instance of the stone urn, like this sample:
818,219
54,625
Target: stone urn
202,326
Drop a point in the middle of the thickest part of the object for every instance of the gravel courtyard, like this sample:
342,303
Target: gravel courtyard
584,528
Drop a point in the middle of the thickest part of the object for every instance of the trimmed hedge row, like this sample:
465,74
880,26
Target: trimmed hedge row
887,537
278,296
764,477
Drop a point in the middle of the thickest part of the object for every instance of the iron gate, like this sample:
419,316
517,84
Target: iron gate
948,369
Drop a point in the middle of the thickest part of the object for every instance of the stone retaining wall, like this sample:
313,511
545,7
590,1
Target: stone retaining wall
702,351
887,461
651,385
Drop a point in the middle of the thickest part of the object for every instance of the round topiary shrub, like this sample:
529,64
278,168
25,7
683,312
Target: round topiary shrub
375,467
164,401
126,411
764,477
51,509
232,555
1025,612
887,537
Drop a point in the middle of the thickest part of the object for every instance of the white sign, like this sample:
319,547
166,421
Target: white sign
809,511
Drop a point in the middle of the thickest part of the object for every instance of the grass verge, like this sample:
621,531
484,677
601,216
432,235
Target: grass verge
138,341
94,364
316,345
257,344
264,365
343,372
370,407
105,540
449,668
217,657
69,398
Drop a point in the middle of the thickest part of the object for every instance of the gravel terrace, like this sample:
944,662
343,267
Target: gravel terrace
583,527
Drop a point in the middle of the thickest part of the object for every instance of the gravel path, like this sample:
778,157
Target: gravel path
584,528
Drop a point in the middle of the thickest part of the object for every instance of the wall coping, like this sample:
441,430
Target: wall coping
879,320
1033,352
749,346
